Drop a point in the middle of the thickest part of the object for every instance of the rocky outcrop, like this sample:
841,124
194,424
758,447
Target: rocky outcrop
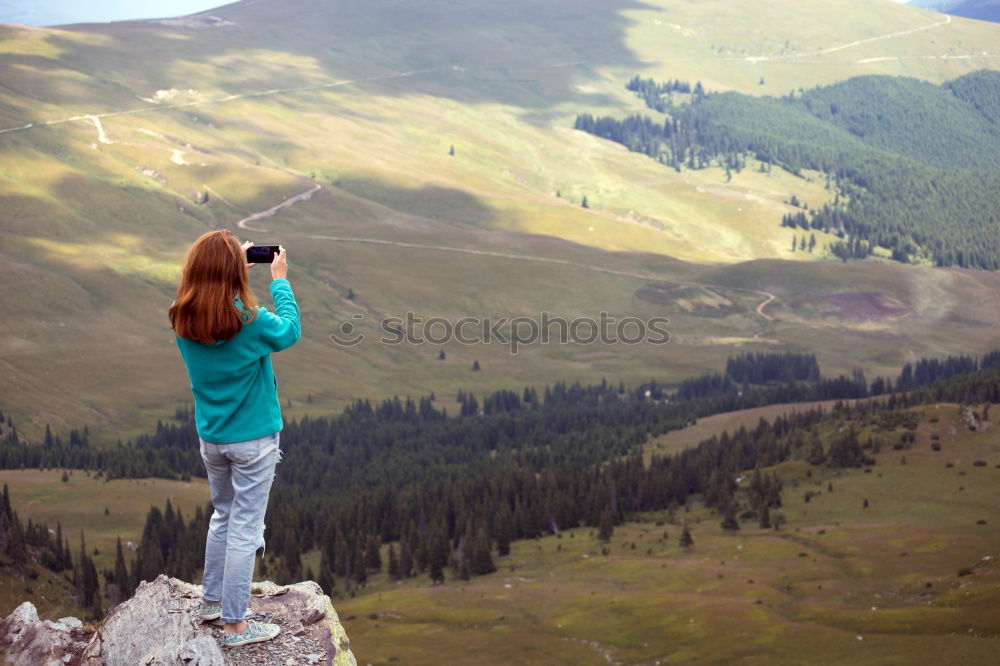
159,626
30,641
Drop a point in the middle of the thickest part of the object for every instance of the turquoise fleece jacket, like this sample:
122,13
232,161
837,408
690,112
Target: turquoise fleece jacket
235,392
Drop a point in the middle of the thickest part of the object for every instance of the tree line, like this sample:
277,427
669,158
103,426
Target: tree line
925,186
24,545
452,493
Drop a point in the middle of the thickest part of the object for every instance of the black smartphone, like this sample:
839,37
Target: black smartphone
262,254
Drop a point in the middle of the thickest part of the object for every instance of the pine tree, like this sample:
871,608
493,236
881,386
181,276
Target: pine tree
121,577
88,583
373,559
765,518
482,560
437,560
17,547
326,582
729,522
57,549
465,551
393,563
291,551
503,530
405,561
5,505
686,541
358,565
607,526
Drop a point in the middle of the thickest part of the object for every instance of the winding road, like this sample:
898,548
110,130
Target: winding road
290,201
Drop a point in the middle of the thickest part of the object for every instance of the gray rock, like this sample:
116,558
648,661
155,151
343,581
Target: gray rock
144,631
202,651
159,626
26,640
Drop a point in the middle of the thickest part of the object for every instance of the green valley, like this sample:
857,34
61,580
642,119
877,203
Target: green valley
803,193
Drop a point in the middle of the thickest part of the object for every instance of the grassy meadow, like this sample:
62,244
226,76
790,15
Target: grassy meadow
102,510
367,101
837,584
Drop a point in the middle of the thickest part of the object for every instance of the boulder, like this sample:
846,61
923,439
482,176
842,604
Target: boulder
27,640
159,626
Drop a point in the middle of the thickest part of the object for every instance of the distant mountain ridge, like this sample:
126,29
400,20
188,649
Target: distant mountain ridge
63,12
981,10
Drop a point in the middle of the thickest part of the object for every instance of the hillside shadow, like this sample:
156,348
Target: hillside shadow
431,202
524,52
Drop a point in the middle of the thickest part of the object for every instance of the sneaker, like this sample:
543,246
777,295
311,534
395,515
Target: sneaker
213,611
209,611
256,632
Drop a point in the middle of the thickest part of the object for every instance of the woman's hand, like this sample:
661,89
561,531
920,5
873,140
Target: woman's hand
245,247
279,267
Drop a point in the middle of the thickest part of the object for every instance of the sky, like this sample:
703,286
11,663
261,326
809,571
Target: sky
61,12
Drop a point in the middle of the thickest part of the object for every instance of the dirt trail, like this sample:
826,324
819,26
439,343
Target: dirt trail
398,75
841,47
222,100
944,56
290,201
900,33
306,195
101,135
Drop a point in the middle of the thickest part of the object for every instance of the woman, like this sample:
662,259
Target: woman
226,342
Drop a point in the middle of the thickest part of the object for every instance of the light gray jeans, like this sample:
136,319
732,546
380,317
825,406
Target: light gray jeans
239,478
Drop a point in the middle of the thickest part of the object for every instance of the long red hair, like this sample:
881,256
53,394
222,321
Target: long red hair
215,272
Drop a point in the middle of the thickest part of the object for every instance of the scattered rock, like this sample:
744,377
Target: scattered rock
149,172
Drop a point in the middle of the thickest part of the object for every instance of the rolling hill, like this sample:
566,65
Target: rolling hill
912,166
120,143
